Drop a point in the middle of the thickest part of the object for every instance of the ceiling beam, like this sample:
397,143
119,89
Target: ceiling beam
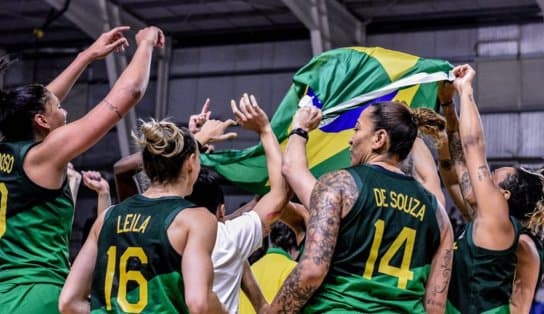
330,23
88,16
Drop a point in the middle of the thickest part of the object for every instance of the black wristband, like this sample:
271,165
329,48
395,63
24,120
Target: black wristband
300,132
449,103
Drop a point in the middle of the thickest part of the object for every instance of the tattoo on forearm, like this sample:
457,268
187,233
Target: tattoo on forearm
445,271
440,286
293,295
483,173
464,183
456,148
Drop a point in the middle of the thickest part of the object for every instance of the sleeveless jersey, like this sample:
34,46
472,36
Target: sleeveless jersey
384,250
137,270
35,223
481,280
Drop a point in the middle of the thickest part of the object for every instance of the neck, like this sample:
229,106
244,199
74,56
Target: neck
173,189
391,164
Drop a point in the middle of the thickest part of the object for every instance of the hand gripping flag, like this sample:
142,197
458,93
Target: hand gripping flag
342,83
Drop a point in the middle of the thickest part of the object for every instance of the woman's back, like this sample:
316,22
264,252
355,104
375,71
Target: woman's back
137,268
385,246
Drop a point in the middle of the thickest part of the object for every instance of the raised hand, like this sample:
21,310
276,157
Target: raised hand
249,115
464,75
214,131
196,121
114,40
151,35
307,118
94,181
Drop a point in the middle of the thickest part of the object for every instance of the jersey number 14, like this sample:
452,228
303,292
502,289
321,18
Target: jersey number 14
407,236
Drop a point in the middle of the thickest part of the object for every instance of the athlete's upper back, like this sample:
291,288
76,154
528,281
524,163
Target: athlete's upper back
137,269
35,223
384,249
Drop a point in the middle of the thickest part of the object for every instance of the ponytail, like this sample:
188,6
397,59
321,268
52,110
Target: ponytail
429,122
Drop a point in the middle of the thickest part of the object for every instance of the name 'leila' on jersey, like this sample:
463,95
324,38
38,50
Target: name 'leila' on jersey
408,204
132,223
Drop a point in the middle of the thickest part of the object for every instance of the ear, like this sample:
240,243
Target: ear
190,162
380,140
506,194
41,121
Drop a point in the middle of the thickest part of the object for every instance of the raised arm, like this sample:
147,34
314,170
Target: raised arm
295,162
250,116
449,176
196,264
466,202
332,197
493,228
45,162
104,45
94,181
436,289
74,298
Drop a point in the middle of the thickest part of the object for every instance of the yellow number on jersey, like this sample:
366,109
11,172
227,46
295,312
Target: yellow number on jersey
124,277
406,237
3,208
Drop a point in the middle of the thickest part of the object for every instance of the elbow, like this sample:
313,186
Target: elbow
473,141
313,275
132,91
286,167
197,304
66,305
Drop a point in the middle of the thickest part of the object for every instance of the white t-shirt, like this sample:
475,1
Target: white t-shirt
236,240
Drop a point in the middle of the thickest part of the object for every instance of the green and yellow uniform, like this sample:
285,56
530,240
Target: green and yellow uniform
35,225
137,269
384,250
481,280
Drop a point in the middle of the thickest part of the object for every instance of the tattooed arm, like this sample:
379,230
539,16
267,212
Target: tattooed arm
436,290
450,154
331,199
492,226
448,174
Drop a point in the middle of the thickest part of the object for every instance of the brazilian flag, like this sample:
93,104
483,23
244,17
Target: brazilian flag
342,83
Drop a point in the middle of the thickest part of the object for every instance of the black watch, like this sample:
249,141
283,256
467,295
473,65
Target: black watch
300,132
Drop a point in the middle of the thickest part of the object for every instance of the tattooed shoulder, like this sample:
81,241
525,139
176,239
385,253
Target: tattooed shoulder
342,181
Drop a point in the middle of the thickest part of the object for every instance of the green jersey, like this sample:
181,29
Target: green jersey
137,269
35,223
481,280
384,250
